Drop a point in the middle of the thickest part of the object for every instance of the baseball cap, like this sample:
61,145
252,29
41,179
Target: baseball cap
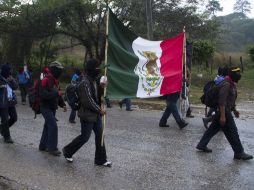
56,64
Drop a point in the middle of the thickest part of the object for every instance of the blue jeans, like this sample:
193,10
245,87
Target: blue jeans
72,115
79,141
49,138
171,108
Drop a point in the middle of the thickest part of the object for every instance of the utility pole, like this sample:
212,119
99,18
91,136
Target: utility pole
149,19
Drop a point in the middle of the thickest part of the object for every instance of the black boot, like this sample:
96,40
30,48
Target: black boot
8,140
188,113
182,124
243,156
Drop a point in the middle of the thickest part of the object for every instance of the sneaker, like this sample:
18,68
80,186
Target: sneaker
129,109
55,152
163,125
106,164
243,156
205,123
183,124
8,140
204,149
67,158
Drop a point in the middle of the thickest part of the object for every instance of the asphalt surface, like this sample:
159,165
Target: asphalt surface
144,155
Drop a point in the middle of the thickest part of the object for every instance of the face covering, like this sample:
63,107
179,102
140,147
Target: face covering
93,73
91,69
235,76
56,72
5,70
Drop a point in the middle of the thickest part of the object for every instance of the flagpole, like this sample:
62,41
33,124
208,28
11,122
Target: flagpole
105,74
184,66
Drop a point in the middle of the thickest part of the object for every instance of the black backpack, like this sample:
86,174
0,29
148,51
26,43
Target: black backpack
34,97
71,96
211,94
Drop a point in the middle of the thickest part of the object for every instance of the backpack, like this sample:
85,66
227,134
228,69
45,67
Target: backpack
211,94
34,97
71,96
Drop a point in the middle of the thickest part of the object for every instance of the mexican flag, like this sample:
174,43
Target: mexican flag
139,67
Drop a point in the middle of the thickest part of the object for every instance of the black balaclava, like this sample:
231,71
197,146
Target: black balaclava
6,70
56,72
91,68
78,72
234,74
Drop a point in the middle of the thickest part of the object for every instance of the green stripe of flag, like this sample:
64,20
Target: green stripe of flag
121,59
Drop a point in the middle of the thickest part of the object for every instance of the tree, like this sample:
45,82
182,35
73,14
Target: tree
203,50
242,6
213,6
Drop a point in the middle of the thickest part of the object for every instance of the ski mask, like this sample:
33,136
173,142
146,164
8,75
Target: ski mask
91,68
234,74
56,69
6,70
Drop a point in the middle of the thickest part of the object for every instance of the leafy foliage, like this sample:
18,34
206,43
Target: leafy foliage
237,32
242,6
203,50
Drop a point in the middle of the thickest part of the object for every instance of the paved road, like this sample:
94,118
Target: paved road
144,156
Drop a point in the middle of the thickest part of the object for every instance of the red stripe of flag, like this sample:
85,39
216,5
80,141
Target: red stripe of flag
171,64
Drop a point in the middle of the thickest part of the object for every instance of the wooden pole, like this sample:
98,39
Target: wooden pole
185,68
105,74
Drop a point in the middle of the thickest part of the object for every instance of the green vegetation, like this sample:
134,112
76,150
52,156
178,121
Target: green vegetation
74,30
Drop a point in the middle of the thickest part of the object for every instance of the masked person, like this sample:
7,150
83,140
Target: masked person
75,79
223,119
90,113
171,100
23,80
50,99
8,101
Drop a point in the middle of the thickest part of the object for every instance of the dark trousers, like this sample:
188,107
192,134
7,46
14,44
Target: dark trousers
127,102
171,108
79,141
49,136
108,103
8,118
23,92
72,115
230,131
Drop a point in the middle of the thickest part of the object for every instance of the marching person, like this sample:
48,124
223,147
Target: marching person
76,78
171,100
127,102
50,99
222,72
223,118
90,114
23,80
8,101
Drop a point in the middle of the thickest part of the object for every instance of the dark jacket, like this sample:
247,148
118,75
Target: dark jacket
227,94
4,101
49,93
88,91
